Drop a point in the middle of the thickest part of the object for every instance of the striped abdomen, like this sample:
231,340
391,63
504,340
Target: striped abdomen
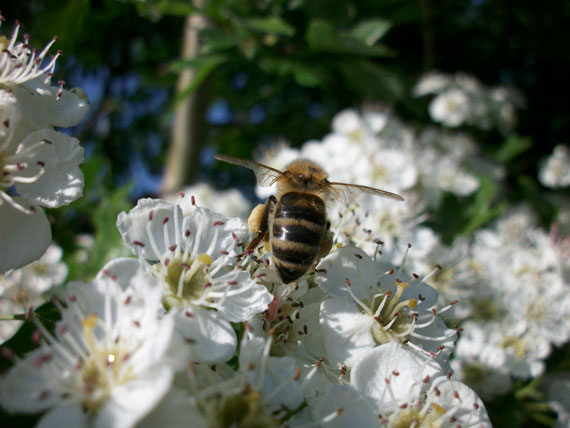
298,231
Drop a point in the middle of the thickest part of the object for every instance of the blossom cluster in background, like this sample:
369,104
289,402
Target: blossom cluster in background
463,100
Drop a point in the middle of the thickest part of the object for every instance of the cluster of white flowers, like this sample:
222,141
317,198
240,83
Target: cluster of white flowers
462,100
518,308
376,149
229,202
22,289
39,166
153,339
555,171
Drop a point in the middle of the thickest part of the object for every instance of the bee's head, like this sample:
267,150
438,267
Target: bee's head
303,175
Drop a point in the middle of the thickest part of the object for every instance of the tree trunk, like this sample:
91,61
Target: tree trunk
186,139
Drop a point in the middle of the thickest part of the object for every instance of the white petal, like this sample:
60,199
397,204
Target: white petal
26,389
211,232
25,237
68,414
42,108
175,411
133,227
212,338
348,263
369,375
346,331
356,412
471,411
273,377
243,306
62,180
68,110
133,400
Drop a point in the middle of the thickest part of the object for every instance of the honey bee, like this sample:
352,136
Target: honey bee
294,221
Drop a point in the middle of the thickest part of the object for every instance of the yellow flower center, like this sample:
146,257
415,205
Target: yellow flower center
103,368
242,410
186,279
390,323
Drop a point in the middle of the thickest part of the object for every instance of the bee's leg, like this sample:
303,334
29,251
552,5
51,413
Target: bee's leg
258,223
326,246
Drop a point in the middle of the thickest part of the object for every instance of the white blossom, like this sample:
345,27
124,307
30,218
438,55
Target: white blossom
262,392
19,63
38,165
451,108
22,289
555,171
407,390
194,257
230,203
109,362
431,83
371,304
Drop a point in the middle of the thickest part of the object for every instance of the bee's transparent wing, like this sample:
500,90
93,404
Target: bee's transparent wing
348,192
266,176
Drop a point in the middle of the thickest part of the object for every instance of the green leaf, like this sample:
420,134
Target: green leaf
215,41
304,75
535,197
197,62
271,25
322,37
482,210
513,147
203,67
108,243
156,9
371,80
370,31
